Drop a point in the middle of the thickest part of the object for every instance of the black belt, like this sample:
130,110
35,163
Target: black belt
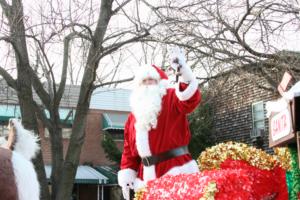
154,159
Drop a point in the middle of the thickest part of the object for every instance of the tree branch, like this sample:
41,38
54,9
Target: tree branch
102,23
6,8
41,114
109,49
80,34
41,47
62,84
8,78
113,82
239,39
39,88
120,7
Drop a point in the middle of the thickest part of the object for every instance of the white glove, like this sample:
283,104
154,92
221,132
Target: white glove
177,59
125,190
126,178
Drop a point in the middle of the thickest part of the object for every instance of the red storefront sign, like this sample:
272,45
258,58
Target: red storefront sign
281,125
281,128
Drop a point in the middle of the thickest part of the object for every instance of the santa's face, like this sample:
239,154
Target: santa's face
149,81
146,104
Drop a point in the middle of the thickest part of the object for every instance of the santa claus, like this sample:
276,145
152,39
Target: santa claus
18,178
157,131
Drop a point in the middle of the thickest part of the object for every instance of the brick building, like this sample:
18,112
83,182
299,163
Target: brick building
95,178
239,109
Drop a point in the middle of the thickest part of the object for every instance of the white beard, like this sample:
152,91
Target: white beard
146,105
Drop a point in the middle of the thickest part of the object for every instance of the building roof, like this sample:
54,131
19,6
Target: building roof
110,172
84,175
114,99
114,121
110,99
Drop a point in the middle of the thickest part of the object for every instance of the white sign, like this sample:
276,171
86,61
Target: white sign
281,125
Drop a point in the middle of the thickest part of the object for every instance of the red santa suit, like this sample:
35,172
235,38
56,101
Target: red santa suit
171,131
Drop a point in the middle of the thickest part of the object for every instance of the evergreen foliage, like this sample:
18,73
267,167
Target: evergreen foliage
111,149
202,129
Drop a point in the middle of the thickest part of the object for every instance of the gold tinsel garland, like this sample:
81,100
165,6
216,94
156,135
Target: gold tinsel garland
284,157
212,157
139,194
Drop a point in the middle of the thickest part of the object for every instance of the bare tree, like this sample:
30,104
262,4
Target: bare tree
59,41
86,27
241,36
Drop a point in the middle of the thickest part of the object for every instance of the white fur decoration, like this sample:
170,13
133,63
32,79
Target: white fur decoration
26,142
145,102
26,178
145,71
149,173
146,105
138,184
188,92
187,168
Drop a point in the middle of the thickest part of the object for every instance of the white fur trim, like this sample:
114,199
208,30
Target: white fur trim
126,176
26,178
187,74
142,142
149,173
188,92
146,71
138,184
145,120
187,168
26,141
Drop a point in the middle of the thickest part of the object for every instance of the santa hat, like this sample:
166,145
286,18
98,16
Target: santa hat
150,72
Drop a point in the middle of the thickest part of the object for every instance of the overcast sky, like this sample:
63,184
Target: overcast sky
131,57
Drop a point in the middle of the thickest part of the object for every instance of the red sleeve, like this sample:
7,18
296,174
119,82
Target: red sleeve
190,104
129,159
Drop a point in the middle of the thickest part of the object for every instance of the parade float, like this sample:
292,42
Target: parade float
237,171
228,171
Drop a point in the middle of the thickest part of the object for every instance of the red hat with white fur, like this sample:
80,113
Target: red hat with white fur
150,72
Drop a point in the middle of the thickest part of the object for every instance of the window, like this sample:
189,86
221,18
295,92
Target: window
66,133
116,135
258,119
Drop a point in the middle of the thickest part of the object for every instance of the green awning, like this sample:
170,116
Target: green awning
13,111
9,111
66,115
110,172
84,175
114,121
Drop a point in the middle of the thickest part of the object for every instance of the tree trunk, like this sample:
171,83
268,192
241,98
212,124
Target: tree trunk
86,89
78,135
17,34
57,158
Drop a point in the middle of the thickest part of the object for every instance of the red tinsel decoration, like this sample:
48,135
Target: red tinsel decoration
235,180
